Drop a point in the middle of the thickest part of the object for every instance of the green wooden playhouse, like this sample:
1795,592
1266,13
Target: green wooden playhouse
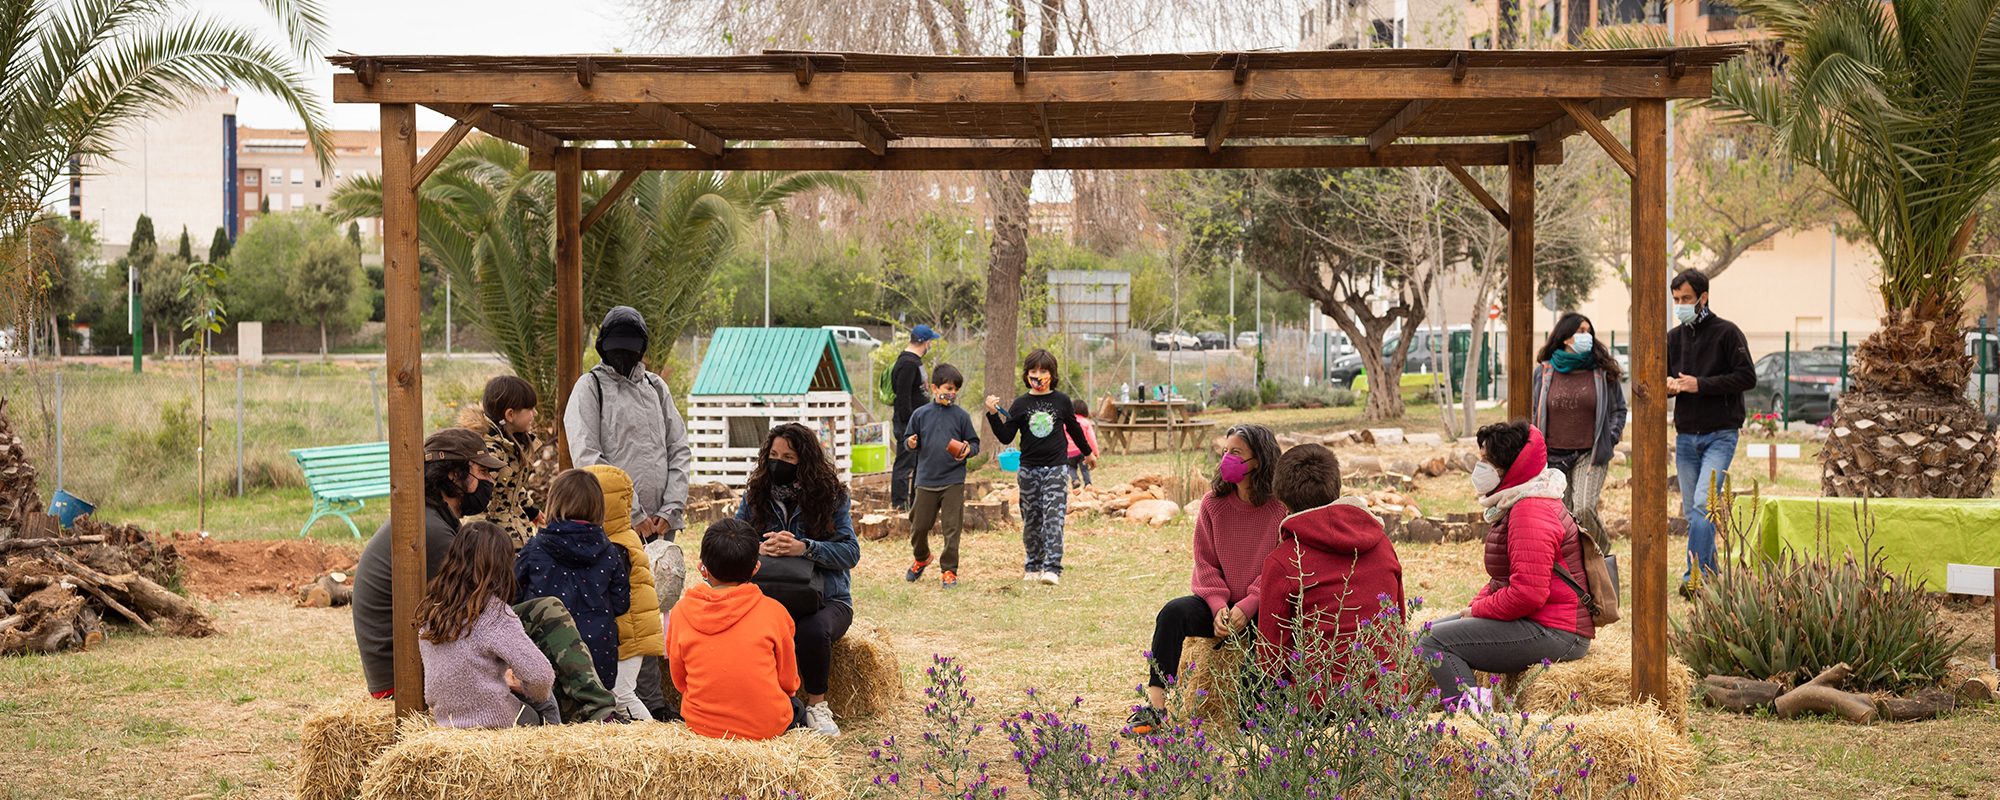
752,379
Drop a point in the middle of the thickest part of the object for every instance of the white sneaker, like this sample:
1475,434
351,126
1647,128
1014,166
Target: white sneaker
1050,579
820,719
1030,577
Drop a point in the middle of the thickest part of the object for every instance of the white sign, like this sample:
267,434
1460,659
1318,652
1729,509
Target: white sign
1764,451
1968,579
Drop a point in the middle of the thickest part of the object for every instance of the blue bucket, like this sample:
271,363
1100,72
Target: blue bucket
1010,459
67,507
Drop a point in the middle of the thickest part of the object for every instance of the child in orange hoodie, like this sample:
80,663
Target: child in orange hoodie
729,648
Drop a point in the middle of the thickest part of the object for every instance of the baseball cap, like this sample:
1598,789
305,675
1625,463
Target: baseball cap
921,334
459,444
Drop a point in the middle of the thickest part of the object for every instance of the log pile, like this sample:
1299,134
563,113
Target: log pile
331,590
1969,682
57,593
1823,695
708,502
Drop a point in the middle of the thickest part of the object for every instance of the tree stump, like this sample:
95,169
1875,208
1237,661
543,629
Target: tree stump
1741,695
1821,695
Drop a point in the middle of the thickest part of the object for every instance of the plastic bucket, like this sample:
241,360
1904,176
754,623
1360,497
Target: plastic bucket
67,507
1010,459
870,458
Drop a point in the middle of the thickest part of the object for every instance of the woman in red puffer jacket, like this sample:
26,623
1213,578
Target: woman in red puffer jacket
1526,614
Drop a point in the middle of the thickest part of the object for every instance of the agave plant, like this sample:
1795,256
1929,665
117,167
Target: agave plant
73,73
1898,106
488,221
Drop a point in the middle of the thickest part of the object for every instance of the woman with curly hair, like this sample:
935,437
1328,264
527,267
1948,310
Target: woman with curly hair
796,501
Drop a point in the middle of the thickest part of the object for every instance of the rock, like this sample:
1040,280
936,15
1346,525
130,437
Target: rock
1192,509
1154,511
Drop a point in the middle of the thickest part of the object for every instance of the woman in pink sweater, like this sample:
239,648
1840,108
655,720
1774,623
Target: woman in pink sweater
1235,530
480,668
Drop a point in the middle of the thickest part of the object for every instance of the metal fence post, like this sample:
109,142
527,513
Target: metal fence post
1984,352
375,395
1785,416
59,426
239,430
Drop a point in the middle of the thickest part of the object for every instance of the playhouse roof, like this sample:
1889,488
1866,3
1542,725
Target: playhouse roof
771,361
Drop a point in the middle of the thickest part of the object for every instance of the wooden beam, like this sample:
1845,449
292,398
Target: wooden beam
439,149
484,118
1042,122
1479,193
1566,126
1649,401
402,310
1225,118
1520,277
1241,73
964,88
909,159
678,126
1586,120
611,196
803,70
1404,119
860,129
569,285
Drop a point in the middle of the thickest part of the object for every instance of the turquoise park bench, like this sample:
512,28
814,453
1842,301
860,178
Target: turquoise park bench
342,478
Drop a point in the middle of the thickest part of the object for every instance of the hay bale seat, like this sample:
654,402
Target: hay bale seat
1207,681
600,762
1601,680
336,745
1630,740
866,680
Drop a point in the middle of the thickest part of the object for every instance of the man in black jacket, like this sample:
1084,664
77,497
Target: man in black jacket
1708,370
906,380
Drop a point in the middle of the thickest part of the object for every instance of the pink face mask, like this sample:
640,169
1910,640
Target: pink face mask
1233,468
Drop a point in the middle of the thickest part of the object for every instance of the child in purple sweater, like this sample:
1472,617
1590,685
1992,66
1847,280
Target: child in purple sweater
481,670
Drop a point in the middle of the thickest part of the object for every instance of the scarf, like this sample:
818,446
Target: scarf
1566,361
1551,483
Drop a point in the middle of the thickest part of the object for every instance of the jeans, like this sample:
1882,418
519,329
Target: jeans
1700,458
1079,475
1489,645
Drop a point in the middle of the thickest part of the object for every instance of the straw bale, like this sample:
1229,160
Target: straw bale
1631,740
336,745
1207,681
600,762
866,679
1603,680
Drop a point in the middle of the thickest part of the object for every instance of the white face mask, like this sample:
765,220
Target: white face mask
1684,313
1485,479
1581,343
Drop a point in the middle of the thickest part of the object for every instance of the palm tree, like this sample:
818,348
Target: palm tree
1898,106
488,222
73,73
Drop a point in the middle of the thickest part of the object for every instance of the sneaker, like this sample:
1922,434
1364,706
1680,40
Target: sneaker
950,579
1050,578
1145,720
820,719
1030,577
916,571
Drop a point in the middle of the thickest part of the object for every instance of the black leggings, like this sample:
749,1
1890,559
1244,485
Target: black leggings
814,644
1179,618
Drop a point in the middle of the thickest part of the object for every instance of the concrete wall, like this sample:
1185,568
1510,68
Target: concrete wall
172,167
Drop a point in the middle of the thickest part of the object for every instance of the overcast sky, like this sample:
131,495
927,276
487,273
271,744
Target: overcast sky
496,27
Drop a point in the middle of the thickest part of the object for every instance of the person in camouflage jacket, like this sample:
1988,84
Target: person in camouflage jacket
505,418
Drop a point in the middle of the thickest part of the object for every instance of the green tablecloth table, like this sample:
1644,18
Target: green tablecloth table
1919,535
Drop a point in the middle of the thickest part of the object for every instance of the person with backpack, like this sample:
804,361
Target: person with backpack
1534,607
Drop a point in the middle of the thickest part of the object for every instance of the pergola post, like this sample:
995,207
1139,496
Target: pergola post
1649,401
401,293
1520,275
569,285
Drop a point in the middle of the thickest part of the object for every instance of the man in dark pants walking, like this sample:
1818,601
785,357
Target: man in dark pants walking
906,380
1708,370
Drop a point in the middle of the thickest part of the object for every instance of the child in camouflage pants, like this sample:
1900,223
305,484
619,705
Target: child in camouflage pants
579,694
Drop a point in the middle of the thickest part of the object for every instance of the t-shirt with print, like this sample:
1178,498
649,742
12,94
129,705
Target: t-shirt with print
1041,420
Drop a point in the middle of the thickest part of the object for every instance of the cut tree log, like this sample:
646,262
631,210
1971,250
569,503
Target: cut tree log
1821,695
1972,681
170,612
1424,439
329,591
1927,704
1741,695
875,527
1382,437
17,545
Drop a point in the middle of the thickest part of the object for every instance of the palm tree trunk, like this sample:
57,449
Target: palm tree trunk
1907,428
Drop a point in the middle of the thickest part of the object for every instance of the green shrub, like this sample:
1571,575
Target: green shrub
1318,397
1239,398
1790,618
1270,391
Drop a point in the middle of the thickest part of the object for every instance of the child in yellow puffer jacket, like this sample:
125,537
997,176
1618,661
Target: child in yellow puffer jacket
640,632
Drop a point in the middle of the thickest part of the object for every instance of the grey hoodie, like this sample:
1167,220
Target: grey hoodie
635,428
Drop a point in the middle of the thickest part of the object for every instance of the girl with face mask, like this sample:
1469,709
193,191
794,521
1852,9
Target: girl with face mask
1234,531
1577,400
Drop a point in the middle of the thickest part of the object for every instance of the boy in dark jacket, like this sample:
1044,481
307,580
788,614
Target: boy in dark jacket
573,561
1333,566
942,436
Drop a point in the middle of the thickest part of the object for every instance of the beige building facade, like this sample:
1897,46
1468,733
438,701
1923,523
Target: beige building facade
173,167
276,170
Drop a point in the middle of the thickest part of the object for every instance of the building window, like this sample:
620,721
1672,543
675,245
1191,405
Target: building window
298,201
298,177
336,176
1723,16
250,178
277,202
249,201
277,176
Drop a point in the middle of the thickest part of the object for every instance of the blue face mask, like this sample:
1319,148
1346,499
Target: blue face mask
1581,343
1685,313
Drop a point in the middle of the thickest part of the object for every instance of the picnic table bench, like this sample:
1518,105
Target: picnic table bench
342,478
1186,433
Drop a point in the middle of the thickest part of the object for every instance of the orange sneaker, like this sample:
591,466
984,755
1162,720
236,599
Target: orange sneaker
950,579
916,571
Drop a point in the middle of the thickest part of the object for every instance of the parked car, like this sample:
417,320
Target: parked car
1175,340
1093,340
1815,386
851,335
1213,340
1248,340
1427,354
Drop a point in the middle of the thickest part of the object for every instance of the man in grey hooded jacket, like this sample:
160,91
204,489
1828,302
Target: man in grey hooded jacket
622,415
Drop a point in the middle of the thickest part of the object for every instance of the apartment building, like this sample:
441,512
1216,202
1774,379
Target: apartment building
276,170
176,167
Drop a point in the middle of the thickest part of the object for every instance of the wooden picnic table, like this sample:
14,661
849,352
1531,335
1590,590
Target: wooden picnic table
1128,412
1155,417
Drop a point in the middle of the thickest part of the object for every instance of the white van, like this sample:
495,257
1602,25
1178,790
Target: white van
851,335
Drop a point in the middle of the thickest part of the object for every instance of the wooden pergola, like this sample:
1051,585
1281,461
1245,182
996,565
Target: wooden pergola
870,112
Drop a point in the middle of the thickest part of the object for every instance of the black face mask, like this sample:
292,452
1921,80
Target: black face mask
782,472
474,502
622,360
